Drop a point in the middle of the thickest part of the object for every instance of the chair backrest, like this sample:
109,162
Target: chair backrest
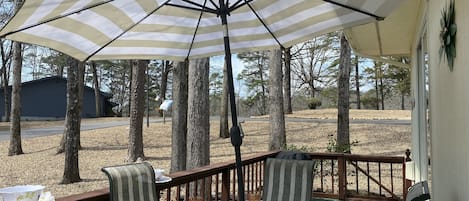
288,180
131,182
418,192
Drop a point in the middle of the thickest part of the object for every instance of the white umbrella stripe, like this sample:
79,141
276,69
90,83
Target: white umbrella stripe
131,8
148,51
319,28
298,17
274,7
100,23
45,9
157,19
157,36
77,6
66,37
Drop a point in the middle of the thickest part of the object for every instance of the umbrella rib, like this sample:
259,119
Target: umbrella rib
125,31
55,18
378,33
236,3
379,18
214,4
263,23
203,9
195,31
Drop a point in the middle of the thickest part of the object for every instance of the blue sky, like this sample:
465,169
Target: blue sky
238,66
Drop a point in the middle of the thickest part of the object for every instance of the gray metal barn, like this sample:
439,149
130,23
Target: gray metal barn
46,98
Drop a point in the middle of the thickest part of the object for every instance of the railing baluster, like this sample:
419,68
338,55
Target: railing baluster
261,173
234,185
253,187
392,179
196,187
203,187
342,174
168,194
404,182
225,188
217,182
256,175
187,191
332,175
368,178
379,178
246,178
322,176
178,193
356,176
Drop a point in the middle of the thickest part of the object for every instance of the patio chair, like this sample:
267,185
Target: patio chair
418,192
288,180
131,182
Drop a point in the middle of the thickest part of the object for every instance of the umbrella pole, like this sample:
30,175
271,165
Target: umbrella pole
235,134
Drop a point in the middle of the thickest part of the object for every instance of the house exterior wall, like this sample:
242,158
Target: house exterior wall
46,99
48,102
449,107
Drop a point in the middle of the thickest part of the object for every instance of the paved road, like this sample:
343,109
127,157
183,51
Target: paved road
28,133
37,132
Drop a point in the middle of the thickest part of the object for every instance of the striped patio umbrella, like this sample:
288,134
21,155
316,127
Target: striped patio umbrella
184,29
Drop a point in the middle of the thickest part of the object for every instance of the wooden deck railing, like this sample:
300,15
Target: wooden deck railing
337,176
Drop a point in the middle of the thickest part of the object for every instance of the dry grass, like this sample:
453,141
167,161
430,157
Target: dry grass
104,147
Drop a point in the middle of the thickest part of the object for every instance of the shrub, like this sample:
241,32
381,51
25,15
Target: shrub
332,145
314,103
292,147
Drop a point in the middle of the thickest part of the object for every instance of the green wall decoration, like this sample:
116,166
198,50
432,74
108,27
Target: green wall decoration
448,34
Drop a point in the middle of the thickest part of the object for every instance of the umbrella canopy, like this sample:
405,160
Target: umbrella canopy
177,29
185,29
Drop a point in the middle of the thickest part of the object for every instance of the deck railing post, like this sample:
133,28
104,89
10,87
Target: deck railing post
342,172
225,185
407,182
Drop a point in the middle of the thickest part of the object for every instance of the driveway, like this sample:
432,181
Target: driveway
54,130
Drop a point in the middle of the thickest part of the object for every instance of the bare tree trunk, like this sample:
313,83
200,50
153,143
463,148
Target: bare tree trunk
224,130
381,87
198,125
15,126
402,101
97,96
179,117
81,88
72,125
343,135
287,82
376,85
81,84
277,119
357,82
6,89
136,111
131,65
164,79
263,98
165,70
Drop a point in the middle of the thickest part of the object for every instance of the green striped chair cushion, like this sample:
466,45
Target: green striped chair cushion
288,180
132,182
